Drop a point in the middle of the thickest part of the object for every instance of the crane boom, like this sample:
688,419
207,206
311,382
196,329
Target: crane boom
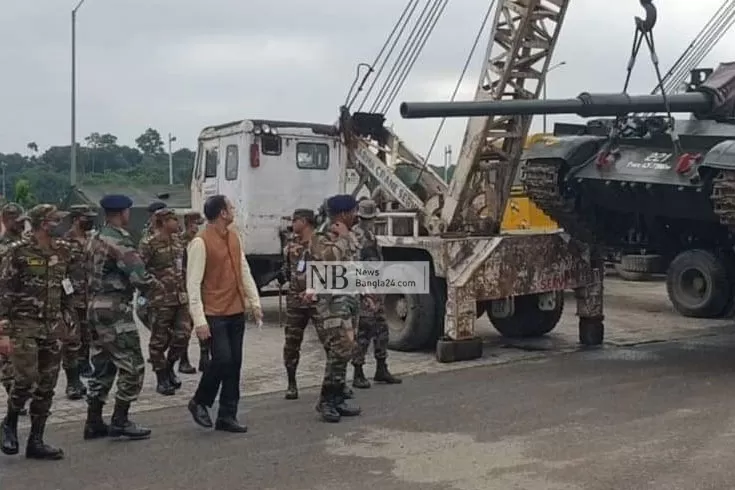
522,41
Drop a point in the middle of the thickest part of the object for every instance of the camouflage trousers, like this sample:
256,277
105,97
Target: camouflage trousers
170,333
371,328
297,319
336,334
75,344
115,353
6,372
35,364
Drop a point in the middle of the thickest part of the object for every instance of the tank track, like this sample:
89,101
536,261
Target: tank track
723,198
544,186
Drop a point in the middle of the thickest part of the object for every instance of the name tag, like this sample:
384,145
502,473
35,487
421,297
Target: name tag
35,262
301,266
66,284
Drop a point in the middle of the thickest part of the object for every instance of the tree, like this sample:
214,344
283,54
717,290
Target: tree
33,146
150,142
23,194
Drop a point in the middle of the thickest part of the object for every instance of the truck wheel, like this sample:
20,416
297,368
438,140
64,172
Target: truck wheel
698,284
410,319
528,320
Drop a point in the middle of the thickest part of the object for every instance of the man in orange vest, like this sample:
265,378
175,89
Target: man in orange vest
221,290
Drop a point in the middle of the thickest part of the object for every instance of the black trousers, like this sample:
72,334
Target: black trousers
223,370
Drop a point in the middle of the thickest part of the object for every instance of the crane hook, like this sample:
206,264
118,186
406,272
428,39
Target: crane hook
647,24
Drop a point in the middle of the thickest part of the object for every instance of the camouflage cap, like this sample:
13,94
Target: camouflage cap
43,212
164,213
12,209
367,209
79,210
195,216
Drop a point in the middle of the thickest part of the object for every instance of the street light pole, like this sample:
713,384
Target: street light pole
4,165
73,171
554,67
171,139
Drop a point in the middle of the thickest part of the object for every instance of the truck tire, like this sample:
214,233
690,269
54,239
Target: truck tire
411,320
698,284
528,321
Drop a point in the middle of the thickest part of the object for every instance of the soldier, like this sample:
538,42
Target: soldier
298,312
13,226
371,324
114,270
163,255
75,352
34,279
192,221
150,227
334,312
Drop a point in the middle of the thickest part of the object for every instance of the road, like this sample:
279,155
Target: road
649,417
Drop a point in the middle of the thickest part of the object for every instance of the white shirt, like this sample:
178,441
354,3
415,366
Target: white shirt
195,265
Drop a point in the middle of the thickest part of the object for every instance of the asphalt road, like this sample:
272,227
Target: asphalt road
657,416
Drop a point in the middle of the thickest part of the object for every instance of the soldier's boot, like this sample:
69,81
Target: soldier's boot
36,448
382,375
358,379
292,392
75,389
9,433
163,383
23,411
95,426
121,425
173,379
185,366
327,405
345,408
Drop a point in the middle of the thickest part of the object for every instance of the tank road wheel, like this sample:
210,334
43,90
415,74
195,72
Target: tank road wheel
698,284
528,319
410,319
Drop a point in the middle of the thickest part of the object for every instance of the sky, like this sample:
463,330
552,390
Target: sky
181,65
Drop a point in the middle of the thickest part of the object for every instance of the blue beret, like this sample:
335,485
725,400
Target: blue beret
341,203
116,202
153,207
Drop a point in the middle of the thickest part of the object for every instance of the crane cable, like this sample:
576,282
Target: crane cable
401,59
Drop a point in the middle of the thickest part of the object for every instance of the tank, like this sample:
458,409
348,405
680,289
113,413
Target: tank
657,200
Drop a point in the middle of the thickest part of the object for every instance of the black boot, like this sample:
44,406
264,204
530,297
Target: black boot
327,405
185,366
75,389
121,425
345,408
36,448
382,374
95,426
9,434
173,379
292,392
163,383
358,379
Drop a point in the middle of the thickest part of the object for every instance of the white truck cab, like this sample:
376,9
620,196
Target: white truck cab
268,169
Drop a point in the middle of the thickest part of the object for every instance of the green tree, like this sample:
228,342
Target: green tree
150,142
23,194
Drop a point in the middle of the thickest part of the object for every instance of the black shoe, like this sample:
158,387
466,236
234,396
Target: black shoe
359,380
327,405
95,426
230,424
173,379
200,414
36,448
75,389
185,366
292,392
345,408
121,425
9,434
382,375
163,383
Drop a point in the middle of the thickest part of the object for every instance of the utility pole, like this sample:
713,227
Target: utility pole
171,139
447,162
4,166
73,170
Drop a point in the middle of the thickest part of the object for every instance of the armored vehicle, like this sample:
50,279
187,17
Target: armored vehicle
655,192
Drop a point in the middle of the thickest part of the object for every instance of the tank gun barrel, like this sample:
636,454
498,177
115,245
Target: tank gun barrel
584,105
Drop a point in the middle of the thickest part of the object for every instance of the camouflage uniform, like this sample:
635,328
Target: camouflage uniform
334,315
298,313
186,237
168,311
11,211
371,325
115,270
141,308
36,289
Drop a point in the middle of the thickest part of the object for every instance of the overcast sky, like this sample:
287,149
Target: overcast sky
180,65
